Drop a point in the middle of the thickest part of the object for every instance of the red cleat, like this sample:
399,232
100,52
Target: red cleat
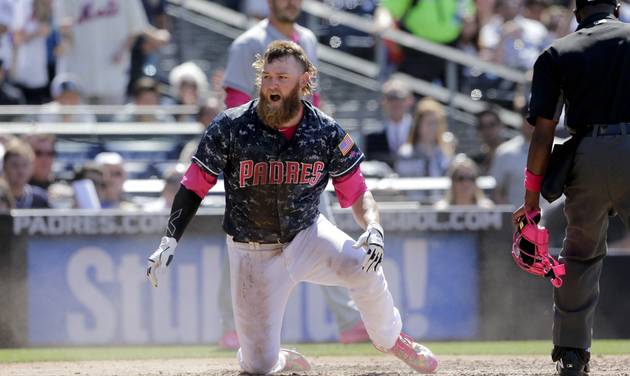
416,356
356,334
229,340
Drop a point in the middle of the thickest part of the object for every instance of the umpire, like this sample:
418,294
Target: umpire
588,72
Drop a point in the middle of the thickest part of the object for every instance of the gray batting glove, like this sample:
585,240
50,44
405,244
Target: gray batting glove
373,241
160,259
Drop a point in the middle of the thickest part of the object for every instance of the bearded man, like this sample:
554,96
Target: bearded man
276,154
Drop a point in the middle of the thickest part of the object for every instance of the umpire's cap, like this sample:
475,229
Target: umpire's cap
579,4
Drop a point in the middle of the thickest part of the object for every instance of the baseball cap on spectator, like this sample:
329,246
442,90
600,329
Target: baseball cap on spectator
579,4
146,84
64,82
108,158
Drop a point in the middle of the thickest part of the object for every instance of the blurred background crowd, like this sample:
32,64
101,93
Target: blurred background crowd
135,55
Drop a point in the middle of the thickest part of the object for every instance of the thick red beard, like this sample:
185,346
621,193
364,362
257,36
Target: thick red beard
274,117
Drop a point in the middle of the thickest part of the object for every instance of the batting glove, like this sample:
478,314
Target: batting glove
160,259
373,241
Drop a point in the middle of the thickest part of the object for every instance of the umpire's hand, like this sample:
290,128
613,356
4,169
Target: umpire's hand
372,240
161,258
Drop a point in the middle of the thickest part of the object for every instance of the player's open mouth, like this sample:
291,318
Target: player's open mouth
275,97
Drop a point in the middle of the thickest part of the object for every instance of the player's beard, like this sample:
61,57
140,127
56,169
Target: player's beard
276,116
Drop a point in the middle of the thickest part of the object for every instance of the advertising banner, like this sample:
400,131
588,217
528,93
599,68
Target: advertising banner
86,284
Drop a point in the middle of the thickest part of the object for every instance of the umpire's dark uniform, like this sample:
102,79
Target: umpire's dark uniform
588,72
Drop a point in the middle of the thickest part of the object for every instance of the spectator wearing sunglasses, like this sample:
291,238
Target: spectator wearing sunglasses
43,146
111,192
464,190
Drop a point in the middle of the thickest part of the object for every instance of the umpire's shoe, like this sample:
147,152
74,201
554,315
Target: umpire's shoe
571,361
418,357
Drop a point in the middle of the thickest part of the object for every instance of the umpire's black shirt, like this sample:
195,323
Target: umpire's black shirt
588,72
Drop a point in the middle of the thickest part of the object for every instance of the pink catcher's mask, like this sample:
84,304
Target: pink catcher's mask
530,250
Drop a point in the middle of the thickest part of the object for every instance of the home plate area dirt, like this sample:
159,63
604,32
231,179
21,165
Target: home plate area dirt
618,365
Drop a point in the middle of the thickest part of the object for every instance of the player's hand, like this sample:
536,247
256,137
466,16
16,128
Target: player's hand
160,259
373,241
531,204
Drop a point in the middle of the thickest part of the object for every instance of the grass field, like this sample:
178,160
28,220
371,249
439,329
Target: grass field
489,348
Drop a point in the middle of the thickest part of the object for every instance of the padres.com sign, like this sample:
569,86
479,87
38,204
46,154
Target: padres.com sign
86,284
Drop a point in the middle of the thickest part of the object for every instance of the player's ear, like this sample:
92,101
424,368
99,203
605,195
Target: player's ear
304,78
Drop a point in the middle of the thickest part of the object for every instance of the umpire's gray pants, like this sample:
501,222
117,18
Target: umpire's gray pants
599,184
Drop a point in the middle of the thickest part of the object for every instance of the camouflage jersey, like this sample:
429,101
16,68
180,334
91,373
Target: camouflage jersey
272,185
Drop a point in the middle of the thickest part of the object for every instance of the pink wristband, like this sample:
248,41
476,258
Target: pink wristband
533,182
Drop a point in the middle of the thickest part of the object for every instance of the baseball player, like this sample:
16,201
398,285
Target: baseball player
277,154
588,71
239,85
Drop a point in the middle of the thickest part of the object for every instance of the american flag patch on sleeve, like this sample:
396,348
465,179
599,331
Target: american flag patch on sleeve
346,144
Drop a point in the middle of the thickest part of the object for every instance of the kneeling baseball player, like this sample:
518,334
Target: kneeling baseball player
277,153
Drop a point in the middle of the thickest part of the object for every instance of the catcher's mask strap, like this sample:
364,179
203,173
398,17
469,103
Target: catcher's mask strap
558,271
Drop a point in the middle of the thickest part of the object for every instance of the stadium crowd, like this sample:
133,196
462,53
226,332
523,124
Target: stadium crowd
58,53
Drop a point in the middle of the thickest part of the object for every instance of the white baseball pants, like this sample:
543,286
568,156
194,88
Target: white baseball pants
263,276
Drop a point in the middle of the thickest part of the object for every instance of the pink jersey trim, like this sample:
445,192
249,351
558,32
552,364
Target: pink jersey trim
198,181
235,98
316,100
349,187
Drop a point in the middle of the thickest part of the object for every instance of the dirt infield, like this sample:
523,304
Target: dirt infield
342,366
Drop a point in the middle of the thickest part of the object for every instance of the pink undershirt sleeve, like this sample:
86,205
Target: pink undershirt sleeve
235,98
348,188
198,181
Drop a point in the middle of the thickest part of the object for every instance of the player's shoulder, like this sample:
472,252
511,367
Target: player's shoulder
234,116
305,32
255,36
242,113
319,118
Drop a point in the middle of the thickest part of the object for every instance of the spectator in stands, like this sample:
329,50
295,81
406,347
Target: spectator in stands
31,27
429,146
514,40
144,50
491,133
65,91
463,190
434,21
97,38
7,202
396,103
111,192
189,85
43,146
18,169
172,179
145,93
507,166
